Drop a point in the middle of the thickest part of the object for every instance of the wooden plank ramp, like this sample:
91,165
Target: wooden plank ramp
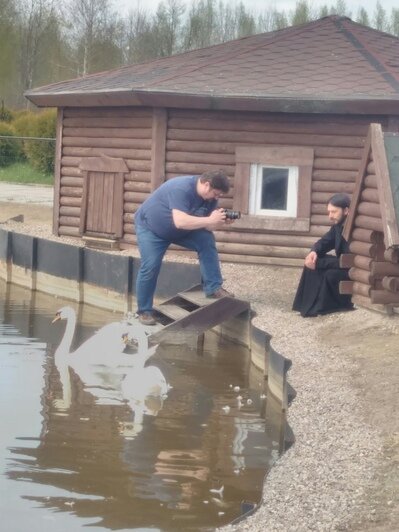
192,312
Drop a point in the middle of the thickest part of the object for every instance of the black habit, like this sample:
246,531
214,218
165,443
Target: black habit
318,290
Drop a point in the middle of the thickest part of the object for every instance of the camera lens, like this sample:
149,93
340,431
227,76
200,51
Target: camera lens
232,215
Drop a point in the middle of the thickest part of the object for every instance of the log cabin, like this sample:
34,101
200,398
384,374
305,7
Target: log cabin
284,113
372,226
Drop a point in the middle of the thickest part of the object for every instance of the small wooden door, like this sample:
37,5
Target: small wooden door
102,200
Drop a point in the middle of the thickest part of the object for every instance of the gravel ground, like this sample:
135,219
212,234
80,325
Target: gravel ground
342,471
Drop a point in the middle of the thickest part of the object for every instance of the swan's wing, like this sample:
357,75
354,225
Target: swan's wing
104,345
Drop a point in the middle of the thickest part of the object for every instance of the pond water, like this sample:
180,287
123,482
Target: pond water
75,455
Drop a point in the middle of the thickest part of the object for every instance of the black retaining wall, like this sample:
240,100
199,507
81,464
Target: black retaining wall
98,268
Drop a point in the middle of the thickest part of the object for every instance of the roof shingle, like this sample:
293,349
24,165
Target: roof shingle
332,58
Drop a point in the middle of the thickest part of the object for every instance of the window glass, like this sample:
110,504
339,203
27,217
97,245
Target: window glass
274,188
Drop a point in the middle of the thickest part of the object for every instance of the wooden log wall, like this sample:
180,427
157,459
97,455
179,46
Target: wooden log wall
374,273
205,140
116,132
199,141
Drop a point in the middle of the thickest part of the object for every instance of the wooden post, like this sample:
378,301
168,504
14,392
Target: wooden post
57,171
158,147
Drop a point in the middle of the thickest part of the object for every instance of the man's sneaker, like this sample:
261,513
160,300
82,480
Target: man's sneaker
219,293
146,318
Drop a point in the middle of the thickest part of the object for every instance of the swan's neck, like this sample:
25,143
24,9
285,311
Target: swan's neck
66,342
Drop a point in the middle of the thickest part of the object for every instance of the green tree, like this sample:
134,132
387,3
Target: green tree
35,18
8,50
201,21
380,21
302,13
166,27
363,17
394,26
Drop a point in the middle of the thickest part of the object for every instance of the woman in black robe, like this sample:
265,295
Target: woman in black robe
318,290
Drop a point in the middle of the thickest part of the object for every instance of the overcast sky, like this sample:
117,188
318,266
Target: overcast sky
260,5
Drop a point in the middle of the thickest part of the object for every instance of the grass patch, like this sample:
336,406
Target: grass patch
24,173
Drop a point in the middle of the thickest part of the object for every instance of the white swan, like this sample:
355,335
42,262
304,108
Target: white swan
100,348
99,362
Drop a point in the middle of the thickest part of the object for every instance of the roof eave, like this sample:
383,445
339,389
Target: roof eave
285,104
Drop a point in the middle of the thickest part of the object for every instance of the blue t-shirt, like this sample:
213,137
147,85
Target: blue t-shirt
178,193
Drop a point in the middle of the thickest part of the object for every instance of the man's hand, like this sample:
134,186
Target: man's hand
310,260
186,221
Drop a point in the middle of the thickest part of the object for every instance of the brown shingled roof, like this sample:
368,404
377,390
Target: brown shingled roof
330,65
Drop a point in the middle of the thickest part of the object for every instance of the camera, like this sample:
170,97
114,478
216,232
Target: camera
232,215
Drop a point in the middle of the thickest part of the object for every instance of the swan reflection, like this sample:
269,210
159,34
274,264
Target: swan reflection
107,372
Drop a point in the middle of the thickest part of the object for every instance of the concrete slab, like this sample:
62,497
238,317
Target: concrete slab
17,193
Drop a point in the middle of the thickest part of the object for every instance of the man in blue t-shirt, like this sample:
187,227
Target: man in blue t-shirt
181,211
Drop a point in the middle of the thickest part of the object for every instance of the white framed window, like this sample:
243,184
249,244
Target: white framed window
273,187
273,190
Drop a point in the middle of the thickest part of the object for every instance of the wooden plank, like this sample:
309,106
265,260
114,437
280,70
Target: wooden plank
390,227
71,202
382,268
363,248
371,195
262,138
354,287
350,220
278,155
365,302
122,112
203,318
369,222
346,287
67,181
70,211
140,148
264,123
347,260
391,283
108,121
196,295
239,237
57,170
195,157
370,181
158,150
83,213
323,163
367,235
172,311
369,209
137,186
384,298
241,187
331,175
332,187
362,276
107,133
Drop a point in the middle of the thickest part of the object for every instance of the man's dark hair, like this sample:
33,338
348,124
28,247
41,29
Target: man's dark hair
217,179
341,200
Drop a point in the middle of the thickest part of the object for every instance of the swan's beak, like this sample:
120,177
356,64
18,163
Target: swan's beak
57,317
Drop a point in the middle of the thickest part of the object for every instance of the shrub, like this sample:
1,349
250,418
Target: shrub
5,114
10,148
39,153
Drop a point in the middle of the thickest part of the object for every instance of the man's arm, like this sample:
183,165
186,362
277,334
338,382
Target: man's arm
325,244
182,220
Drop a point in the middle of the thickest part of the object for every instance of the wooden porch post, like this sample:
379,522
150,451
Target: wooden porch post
158,147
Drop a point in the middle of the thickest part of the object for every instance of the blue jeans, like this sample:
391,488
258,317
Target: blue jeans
152,249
